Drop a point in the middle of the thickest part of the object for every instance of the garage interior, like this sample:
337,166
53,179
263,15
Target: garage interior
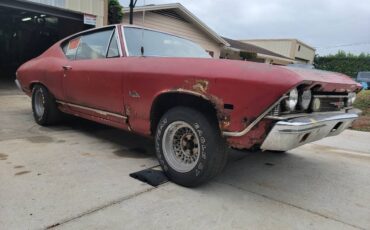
27,29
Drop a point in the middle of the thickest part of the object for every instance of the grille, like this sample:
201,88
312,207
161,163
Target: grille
332,103
328,103
275,111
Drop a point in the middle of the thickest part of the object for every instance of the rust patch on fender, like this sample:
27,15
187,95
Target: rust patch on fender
200,89
201,86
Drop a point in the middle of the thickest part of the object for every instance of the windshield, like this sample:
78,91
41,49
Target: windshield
160,44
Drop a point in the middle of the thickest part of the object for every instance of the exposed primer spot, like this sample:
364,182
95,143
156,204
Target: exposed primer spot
40,139
201,86
21,173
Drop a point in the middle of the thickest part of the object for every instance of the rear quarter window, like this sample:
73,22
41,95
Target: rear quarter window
70,48
94,45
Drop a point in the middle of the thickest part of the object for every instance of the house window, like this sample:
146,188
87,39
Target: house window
299,48
211,53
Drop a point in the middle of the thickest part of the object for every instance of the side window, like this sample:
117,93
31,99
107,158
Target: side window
94,45
113,50
70,48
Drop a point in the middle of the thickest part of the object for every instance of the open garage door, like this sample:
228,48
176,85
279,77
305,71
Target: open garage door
27,29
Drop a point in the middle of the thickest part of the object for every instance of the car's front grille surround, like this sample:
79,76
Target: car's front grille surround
329,103
275,111
332,102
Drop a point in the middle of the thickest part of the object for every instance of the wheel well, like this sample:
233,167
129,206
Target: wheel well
166,101
33,84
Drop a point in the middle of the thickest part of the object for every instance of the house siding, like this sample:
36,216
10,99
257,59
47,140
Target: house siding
288,48
305,52
281,47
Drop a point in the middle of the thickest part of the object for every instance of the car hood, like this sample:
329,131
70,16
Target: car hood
281,75
341,82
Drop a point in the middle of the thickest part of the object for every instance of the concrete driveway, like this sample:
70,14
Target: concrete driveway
76,176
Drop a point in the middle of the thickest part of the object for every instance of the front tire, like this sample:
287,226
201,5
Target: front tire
189,147
45,111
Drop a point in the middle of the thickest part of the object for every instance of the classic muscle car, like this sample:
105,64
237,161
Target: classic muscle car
167,87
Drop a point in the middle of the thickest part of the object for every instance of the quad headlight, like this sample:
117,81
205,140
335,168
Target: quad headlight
292,100
316,105
351,98
305,99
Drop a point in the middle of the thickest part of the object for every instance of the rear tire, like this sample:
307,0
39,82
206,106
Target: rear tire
189,147
44,107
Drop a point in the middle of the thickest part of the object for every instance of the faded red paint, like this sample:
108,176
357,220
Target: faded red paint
104,84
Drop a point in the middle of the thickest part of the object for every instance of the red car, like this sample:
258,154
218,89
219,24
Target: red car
163,86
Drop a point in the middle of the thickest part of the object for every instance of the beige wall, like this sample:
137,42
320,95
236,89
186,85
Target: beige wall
99,8
304,52
234,54
94,7
176,27
280,47
287,48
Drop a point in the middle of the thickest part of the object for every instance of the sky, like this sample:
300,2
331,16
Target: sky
327,25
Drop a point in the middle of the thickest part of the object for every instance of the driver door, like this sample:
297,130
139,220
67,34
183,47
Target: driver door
93,77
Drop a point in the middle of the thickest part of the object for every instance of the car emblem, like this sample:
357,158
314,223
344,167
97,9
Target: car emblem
338,104
134,94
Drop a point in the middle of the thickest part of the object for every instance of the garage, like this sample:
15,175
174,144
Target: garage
27,29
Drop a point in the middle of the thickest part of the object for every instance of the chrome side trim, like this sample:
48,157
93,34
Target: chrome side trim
118,42
18,85
104,113
109,43
124,40
330,96
251,125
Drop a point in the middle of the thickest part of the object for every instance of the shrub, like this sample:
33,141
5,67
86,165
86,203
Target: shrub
345,63
115,13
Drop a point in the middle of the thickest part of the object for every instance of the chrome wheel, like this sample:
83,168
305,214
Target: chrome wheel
181,146
39,103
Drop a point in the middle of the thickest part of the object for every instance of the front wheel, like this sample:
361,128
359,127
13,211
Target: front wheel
44,107
189,147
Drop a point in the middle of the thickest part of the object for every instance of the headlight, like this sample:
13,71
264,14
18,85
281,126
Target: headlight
316,105
305,99
351,98
292,100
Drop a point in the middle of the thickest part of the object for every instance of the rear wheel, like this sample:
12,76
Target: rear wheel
189,147
45,111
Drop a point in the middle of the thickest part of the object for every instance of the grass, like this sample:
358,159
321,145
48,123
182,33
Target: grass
363,103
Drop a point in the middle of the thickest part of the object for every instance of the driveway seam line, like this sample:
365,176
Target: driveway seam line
292,205
99,208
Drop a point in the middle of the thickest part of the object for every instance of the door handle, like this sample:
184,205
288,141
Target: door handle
67,67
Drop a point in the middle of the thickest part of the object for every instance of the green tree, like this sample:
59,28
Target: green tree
115,13
342,62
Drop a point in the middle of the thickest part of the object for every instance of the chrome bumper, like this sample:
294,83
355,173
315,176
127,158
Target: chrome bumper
291,133
18,85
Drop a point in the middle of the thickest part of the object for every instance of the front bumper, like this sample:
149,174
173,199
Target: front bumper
18,85
293,132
